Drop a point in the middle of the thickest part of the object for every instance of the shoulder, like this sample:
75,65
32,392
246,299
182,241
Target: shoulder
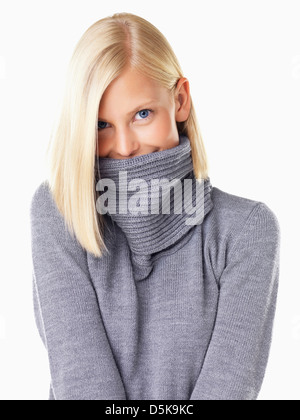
238,226
237,223
42,203
48,226
45,218
231,214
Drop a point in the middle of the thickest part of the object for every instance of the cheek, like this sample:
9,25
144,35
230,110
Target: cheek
103,146
162,128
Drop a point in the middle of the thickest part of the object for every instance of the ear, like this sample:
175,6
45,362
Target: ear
182,100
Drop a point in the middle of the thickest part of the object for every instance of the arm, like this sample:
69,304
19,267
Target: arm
68,317
237,356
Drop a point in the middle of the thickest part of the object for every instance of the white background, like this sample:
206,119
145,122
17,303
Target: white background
242,59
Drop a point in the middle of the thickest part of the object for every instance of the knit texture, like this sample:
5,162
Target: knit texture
148,233
185,315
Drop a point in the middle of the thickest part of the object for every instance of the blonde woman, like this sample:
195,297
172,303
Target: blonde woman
174,303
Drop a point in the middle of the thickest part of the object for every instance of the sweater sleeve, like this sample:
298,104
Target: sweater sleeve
68,317
237,355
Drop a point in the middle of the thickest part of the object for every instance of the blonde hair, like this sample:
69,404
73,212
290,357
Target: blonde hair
101,54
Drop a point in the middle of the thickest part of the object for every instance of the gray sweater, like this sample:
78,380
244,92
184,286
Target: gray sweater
173,311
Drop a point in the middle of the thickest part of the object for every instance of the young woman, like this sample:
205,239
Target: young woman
138,304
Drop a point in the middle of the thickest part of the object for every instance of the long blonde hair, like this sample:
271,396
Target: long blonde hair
101,54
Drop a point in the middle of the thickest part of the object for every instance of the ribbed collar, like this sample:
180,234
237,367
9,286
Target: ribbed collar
148,234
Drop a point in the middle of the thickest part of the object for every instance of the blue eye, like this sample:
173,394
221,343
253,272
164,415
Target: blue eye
101,125
144,113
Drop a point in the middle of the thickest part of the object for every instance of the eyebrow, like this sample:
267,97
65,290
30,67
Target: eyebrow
135,110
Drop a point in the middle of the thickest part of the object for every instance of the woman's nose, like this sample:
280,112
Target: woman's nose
125,145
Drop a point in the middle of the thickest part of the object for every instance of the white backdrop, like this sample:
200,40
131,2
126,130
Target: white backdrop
242,59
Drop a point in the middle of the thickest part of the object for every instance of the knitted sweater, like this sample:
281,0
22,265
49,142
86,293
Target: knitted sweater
173,310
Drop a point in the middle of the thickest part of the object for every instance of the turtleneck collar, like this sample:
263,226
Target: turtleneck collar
147,233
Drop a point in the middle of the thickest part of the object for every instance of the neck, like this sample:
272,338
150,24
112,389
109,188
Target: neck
170,201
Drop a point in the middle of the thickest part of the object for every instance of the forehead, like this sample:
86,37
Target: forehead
129,90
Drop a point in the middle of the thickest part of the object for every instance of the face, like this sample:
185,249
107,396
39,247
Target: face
138,116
